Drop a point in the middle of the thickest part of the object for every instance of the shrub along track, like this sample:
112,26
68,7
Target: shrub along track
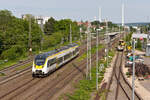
119,87
21,83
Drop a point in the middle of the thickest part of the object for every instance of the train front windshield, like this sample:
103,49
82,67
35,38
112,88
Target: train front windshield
39,61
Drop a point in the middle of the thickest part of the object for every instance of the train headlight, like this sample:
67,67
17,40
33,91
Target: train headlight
39,67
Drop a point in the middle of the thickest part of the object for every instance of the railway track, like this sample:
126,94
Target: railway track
13,75
16,65
12,72
26,84
4,70
52,83
29,85
122,90
59,84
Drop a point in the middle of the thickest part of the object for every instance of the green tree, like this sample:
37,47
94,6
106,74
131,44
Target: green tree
14,35
95,23
49,27
139,45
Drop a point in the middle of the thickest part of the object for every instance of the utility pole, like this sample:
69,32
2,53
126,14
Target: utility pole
30,41
97,60
107,42
42,28
88,70
122,15
70,34
40,21
119,32
90,54
133,77
87,65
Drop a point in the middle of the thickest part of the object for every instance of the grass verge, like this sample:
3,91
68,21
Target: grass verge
85,87
2,74
23,67
93,50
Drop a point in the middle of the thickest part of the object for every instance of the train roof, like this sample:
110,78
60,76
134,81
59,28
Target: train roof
44,55
47,54
67,47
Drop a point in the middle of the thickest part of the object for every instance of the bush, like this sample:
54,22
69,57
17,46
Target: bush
13,53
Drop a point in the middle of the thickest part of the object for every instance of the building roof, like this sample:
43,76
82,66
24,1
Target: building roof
114,33
135,35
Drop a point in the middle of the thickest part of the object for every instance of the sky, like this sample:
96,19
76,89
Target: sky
135,10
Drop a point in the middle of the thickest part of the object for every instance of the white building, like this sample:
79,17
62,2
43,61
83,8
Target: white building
43,18
39,19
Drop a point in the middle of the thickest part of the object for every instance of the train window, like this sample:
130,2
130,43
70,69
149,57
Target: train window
51,62
67,56
74,52
71,54
48,64
39,61
77,49
59,60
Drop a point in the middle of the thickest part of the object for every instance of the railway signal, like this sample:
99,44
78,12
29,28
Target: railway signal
101,67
